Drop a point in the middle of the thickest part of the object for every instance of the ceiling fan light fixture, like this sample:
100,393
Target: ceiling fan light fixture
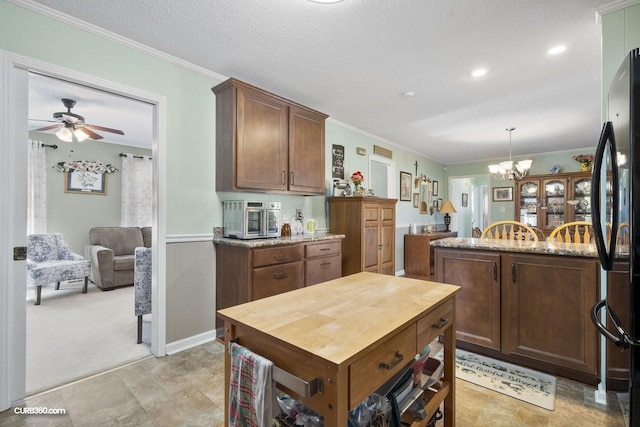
65,134
80,136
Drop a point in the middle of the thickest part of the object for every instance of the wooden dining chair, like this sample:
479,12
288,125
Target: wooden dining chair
572,232
509,230
623,237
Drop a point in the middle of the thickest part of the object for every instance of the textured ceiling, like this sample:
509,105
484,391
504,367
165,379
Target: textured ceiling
354,60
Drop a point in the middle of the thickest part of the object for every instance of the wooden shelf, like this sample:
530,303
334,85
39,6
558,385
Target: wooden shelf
432,400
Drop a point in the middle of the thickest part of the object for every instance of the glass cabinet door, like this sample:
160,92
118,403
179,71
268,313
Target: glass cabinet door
528,202
581,200
554,202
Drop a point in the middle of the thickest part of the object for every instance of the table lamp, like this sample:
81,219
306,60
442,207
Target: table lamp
446,209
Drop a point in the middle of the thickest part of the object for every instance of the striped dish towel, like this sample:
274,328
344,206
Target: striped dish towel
252,391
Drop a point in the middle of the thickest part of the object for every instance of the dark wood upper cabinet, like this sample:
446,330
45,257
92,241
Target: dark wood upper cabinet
266,143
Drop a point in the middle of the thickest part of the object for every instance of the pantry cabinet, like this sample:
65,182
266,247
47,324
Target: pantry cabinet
529,309
266,143
547,201
369,224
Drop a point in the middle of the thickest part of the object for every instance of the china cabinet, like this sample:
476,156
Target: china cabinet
547,201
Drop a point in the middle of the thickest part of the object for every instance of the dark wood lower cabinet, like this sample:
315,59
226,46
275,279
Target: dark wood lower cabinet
533,310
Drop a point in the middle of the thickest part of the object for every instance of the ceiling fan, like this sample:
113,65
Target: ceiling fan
72,124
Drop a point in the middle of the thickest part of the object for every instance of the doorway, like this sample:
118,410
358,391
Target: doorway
14,71
470,197
82,334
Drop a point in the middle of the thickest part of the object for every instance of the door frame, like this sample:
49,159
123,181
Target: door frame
13,161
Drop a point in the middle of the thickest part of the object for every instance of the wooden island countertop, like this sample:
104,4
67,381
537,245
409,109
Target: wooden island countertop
343,331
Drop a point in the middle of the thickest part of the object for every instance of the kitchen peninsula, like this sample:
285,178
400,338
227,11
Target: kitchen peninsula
525,302
348,337
248,270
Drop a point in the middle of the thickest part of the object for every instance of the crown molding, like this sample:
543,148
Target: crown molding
94,29
613,7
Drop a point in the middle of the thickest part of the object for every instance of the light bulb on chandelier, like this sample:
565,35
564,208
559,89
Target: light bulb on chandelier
507,170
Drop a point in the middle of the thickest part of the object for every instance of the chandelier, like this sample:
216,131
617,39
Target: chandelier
507,170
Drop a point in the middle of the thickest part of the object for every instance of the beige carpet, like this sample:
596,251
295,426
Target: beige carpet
72,335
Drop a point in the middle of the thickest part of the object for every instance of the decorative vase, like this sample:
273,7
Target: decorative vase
356,186
585,166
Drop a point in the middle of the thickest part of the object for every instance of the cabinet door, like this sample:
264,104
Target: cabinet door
547,304
554,203
387,239
478,302
580,199
528,202
306,151
371,238
262,141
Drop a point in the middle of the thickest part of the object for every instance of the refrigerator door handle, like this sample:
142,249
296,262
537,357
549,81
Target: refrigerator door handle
618,340
606,256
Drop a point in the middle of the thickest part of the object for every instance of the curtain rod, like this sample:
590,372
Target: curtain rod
54,146
134,156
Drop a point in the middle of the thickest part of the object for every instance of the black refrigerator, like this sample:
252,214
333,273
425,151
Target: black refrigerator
615,203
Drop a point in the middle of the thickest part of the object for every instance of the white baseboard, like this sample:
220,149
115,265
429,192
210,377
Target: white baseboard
187,343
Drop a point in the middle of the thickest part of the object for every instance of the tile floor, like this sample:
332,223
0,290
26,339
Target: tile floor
186,389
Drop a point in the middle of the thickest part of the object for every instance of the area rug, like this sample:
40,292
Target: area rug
623,401
515,381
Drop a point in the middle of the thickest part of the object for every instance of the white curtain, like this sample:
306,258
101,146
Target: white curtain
137,189
36,188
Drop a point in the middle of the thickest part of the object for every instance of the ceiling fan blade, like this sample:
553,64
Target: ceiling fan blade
44,120
104,129
89,132
48,127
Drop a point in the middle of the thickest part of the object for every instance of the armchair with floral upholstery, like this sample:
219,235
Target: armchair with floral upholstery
49,260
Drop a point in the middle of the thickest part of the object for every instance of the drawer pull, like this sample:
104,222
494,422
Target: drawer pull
325,249
282,257
398,358
325,264
281,275
443,322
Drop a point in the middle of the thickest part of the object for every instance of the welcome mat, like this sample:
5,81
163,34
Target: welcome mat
521,383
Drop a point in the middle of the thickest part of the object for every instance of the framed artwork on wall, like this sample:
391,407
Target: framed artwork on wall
503,194
405,186
465,200
416,199
85,182
423,198
434,192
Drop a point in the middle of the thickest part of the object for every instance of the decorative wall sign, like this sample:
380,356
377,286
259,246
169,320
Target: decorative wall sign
435,188
416,198
337,161
465,200
85,182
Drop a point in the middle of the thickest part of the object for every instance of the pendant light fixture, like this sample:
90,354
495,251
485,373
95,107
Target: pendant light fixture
507,170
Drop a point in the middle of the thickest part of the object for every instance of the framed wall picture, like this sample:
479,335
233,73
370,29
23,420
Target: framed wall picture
85,182
405,186
439,204
503,194
416,198
434,192
423,198
465,200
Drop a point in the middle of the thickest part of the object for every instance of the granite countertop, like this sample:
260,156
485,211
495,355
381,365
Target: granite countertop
218,238
543,248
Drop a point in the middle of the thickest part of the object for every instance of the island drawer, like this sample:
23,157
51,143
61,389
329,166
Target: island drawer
323,249
277,255
434,324
374,368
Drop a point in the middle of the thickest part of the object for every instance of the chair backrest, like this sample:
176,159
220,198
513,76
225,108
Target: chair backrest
572,232
623,237
47,247
539,233
509,230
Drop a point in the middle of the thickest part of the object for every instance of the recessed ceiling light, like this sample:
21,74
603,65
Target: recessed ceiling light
479,72
325,1
556,50
408,94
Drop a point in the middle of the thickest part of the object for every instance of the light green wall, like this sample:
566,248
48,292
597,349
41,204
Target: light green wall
74,214
620,34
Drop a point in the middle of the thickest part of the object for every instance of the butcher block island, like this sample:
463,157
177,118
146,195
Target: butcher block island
345,338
